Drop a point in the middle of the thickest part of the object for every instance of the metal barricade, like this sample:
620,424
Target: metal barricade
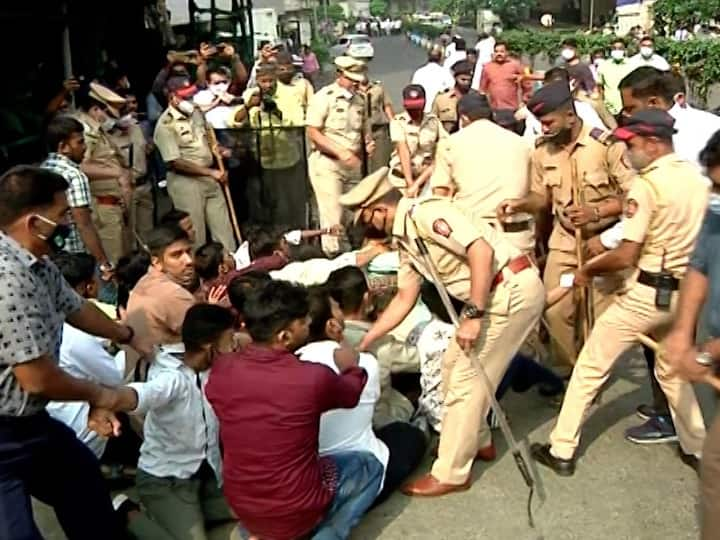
268,173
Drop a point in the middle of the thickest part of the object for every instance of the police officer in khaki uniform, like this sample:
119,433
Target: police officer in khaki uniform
445,105
193,183
340,134
379,112
504,159
571,156
503,298
416,136
663,214
111,179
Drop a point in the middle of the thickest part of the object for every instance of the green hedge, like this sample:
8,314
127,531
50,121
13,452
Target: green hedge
699,60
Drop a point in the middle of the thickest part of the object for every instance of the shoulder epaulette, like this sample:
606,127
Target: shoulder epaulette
602,136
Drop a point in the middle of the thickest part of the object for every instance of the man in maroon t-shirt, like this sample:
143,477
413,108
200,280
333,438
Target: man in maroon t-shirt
500,79
269,403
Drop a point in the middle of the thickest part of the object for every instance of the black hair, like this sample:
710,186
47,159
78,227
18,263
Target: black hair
208,259
239,288
500,43
475,106
204,324
283,58
646,81
647,38
161,237
570,42
264,241
76,268
60,129
347,286
556,74
222,69
173,216
25,188
273,307
305,252
391,197
618,39
460,44
319,311
130,268
710,155
598,51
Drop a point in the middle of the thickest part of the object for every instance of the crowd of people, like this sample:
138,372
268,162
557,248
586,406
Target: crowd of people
250,371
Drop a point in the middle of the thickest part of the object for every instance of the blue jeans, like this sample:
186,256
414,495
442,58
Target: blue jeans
41,457
359,477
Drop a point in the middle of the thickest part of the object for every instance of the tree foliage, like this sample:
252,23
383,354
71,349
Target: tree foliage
511,12
673,14
378,8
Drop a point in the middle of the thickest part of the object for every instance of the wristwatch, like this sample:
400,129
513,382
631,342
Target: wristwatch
127,340
107,267
704,359
471,311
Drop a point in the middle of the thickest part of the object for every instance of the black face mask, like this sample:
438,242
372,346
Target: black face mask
56,239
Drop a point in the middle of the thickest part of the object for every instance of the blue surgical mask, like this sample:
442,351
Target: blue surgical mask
714,203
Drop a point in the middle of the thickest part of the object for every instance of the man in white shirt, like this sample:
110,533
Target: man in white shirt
350,430
647,56
180,466
215,101
433,77
485,48
83,355
456,55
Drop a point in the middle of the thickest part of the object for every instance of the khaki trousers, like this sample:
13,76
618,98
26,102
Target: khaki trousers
110,224
383,149
614,333
141,212
204,200
710,484
561,317
329,180
466,403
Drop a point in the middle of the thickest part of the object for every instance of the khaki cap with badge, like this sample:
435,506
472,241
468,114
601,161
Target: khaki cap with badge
107,97
371,189
352,68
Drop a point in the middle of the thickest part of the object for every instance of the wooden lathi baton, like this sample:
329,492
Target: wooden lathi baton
212,139
657,349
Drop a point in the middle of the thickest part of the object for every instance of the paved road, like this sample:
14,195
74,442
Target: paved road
619,492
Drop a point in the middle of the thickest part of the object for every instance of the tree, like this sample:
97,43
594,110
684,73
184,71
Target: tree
511,12
675,14
335,13
378,8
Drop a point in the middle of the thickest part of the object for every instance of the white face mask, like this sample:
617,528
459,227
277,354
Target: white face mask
617,55
108,124
714,203
646,52
218,89
568,54
126,121
597,62
186,107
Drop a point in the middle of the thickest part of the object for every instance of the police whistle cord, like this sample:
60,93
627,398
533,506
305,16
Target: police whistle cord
521,461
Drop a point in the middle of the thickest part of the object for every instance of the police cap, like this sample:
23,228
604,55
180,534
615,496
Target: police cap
352,68
370,189
107,97
647,123
550,98
463,67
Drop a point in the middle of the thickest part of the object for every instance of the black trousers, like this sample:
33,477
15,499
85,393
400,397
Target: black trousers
407,447
660,403
42,458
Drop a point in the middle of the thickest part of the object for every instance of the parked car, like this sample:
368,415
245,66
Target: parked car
356,45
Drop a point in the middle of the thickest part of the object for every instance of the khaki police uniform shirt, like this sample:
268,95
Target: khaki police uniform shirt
422,140
448,232
134,138
377,99
601,172
340,115
101,149
664,211
445,108
182,137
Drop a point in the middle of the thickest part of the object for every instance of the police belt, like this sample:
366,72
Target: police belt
513,226
589,230
108,200
653,279
515,266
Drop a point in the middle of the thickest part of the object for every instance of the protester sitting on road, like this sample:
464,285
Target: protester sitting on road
268,404
180,466
399,446
349,289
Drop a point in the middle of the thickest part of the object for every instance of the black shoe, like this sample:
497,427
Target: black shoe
691,461
541,454
551,388
657,430
646,412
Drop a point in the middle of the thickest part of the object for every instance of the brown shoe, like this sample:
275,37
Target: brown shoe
429,486
486,454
